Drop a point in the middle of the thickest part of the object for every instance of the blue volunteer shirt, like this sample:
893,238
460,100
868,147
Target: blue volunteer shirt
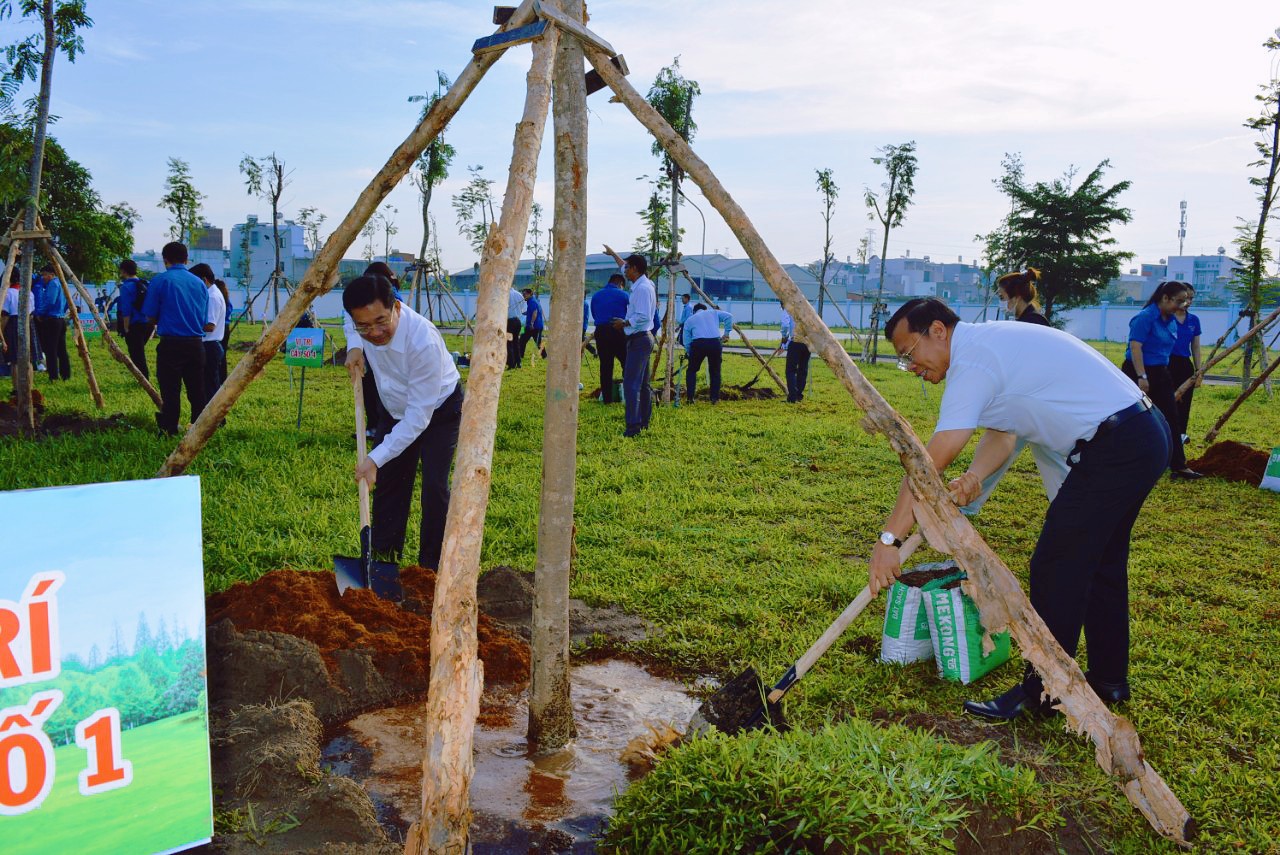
1186,332
178,301
533,314
1156,336
608,303
50,302
125,303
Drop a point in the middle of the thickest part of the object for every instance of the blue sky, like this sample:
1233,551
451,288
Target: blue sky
786,89
125,547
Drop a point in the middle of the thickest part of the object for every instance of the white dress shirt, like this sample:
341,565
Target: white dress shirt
415,374
217,315
643,305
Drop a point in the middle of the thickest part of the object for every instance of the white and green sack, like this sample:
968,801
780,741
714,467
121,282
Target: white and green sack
906,626
957,634
1271,476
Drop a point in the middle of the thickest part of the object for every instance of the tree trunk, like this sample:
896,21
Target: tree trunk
118,354
22,381
669,321
82,347
321,276
999,596
453,692
874,355
551,724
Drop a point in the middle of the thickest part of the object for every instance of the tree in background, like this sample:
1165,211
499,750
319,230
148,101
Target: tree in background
182,200
431,168
536,248
369,232
1063,230
267,177
473,208
387,219
827,187
656,216
899,162
1251,285
60,25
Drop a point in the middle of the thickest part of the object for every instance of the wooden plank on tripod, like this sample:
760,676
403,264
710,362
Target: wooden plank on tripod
574,28
595,82
23,234
511,38
502,14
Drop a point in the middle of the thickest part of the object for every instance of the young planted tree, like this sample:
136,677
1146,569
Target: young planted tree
537,248
827,187
899,162
267,177
311,220
656,216
431,168
386,217
369,232
1063,229
24,60
1251,285
182,200
473,208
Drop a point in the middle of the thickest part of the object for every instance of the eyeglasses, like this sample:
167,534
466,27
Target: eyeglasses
377,325
904,359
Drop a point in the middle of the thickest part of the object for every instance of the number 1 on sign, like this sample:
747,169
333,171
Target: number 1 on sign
99,736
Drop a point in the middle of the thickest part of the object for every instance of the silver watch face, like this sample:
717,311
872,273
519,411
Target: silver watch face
887,538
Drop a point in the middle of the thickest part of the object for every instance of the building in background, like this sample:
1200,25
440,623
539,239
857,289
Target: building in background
1211,275
252,256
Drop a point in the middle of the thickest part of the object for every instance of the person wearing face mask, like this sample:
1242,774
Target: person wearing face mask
1044,385
1018,294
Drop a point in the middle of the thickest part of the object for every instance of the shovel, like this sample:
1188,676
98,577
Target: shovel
383,577
745,704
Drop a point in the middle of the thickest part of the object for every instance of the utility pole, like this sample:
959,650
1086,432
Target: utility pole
1182,225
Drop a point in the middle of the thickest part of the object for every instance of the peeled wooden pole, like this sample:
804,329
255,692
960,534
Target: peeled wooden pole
999,596
321,277
551,723
1235,405
453,691
1255,330
10,260
82,347
119,355
764,363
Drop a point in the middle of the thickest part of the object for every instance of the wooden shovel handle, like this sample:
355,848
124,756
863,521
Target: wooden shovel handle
361,449
848,616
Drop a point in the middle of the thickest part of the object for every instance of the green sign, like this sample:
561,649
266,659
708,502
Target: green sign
1271,477
89,324
305,347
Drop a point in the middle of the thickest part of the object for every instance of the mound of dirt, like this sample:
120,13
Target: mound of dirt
56,424
289,634
507,594
1233,461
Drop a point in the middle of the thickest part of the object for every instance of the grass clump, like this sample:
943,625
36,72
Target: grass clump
848,787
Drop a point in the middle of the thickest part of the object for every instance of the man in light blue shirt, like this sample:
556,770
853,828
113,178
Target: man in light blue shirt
636,326
703,339
515,312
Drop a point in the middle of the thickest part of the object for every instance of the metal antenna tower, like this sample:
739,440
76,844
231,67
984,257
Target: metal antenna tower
1182,225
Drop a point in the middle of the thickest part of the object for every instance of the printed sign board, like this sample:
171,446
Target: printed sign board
1271,477
89,324
104,731
305,347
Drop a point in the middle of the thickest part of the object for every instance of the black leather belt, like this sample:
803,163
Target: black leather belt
1121,416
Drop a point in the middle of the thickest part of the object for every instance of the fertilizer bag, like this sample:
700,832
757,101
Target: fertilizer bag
906,626
957,634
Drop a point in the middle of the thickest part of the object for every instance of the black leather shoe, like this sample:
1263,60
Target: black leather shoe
1009,706
1185,475
1109,693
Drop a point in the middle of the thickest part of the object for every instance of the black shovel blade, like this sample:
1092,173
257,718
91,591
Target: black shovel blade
382,577
741,704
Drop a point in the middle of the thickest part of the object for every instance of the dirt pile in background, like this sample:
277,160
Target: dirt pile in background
1233,461
56,424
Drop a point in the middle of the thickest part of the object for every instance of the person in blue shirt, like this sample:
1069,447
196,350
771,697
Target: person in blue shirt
607,305
704,339
534,321
1152,335
178,304
133,324
1184,362
50,316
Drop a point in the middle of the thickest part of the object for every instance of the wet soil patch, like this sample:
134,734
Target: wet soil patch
1233,461
55,424
506,594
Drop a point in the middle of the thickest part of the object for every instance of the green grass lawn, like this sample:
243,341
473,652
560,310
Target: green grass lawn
166,806
743,529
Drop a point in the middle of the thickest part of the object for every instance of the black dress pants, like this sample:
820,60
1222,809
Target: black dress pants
213,375
528,334
1160,391
53,338
179,362
611,344
712,351
1180,371
513,342
136,340
393,490
797,371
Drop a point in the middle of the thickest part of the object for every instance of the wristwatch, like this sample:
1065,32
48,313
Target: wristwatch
888,539
1142,376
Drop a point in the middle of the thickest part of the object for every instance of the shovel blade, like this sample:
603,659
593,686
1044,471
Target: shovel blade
741,704
383,579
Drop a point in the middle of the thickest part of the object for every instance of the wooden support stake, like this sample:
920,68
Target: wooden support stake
107,338
1255,330
502,14
1000,598
82,347
764,363
453,691
10,260
1235,405
550,12
595,82
321,275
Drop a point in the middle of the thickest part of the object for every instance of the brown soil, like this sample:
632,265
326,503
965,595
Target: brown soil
507,594
923,574
55,424
1233,461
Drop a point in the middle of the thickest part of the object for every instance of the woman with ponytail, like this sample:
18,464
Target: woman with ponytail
1018,293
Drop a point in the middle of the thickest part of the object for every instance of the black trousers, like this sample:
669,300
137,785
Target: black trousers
797,371
393,490
373,412
536,335
1080,567
179,362
513,343
611,344
136,340
53,338
213,375
712,351
1160,391
11,339
1180,371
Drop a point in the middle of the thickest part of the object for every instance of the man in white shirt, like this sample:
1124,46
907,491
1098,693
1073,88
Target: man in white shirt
515,312
705,333
422,408
1041,384
636,393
